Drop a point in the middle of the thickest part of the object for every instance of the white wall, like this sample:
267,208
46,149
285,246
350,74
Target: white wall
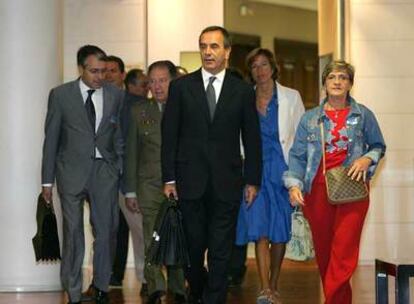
117,26
30,32
174,26
381,48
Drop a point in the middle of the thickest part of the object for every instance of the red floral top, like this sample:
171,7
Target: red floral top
336,141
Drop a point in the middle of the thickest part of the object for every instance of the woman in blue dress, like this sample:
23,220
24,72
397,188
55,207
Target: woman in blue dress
267,221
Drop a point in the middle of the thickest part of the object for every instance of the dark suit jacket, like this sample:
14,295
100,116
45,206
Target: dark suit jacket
195,150
69,145
128,102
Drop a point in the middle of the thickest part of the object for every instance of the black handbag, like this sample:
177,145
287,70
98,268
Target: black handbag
341,189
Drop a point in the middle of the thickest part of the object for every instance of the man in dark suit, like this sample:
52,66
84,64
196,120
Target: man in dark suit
206,113
82,150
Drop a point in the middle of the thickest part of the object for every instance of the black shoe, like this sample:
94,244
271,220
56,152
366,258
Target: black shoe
155,297
144,290
115,282
74,302
180,298
95,294
89,294
101,297
192,299
234,281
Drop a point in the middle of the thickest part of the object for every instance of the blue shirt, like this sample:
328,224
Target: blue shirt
365,139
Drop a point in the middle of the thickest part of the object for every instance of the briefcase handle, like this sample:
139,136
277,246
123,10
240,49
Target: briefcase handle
172,200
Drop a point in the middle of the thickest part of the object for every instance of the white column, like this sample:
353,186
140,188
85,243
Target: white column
30,64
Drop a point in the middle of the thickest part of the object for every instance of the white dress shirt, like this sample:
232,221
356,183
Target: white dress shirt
218,82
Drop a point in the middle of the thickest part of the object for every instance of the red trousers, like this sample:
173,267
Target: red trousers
336,232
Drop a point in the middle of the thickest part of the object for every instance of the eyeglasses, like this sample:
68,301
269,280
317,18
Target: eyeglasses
340,77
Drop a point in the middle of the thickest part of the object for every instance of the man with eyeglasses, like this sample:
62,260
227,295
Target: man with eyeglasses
82,151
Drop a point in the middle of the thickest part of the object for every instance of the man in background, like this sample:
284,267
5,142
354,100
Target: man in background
143,175
115,71
136,83
115,74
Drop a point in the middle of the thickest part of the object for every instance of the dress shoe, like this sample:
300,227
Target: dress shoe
74,302
180,298
101,297
235,277
156,297
89,294
144,289
192,299
115,282
234,281
95,294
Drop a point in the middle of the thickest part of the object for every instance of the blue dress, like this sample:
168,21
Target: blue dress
270,214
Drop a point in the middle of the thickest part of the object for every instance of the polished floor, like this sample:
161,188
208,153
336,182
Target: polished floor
299,284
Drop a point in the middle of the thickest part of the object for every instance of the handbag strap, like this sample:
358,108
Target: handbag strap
323,146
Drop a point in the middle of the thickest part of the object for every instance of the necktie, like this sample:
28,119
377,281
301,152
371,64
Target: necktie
211,96
90,109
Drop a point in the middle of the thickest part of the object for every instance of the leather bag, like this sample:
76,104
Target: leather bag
341,189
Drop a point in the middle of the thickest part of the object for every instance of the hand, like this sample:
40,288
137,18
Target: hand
250,193
170,189
47,194
296,196
132,204
359,168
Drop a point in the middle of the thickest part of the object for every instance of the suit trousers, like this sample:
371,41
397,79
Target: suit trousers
237,267
101,191
336,232
153,273
210,224
122,246
134,222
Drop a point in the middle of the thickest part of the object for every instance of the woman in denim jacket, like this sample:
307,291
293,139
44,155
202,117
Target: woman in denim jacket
353,139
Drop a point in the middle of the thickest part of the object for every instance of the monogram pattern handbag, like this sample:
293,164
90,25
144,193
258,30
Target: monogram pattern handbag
341,189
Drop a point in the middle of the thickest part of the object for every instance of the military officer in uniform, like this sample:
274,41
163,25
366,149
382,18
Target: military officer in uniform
143,183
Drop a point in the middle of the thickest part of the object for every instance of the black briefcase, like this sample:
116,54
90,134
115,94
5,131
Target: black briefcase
46,241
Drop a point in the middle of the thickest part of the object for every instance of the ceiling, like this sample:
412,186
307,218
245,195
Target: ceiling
303,4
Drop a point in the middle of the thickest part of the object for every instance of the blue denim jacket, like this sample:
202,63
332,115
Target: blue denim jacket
365,139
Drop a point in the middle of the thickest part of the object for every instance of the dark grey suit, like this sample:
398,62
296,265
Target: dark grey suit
69,156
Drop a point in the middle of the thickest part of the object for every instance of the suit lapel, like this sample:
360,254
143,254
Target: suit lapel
200,94
225,94
79,104
106,106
